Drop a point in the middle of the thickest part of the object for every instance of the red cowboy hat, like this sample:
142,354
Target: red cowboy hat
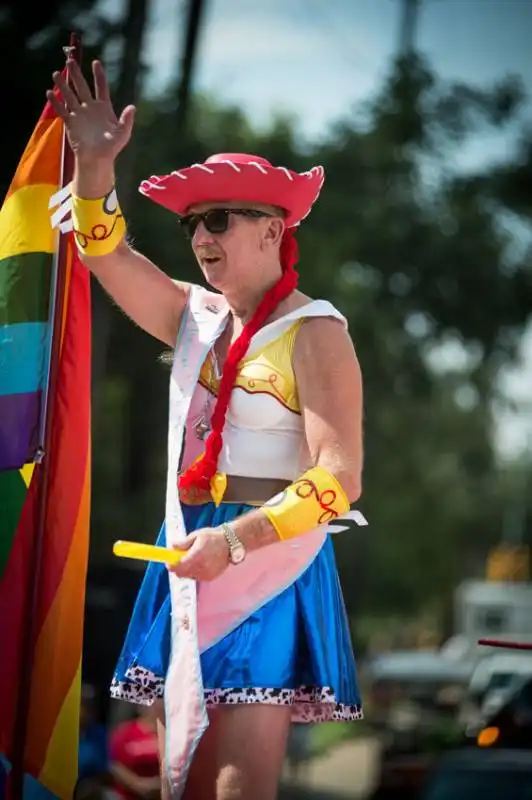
237,176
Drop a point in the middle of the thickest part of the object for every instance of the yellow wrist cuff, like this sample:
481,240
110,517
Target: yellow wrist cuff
99,225
314,499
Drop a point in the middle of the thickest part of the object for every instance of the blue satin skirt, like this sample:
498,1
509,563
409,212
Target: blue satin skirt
295,650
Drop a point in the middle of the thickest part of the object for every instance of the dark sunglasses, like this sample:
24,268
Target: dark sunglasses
216,220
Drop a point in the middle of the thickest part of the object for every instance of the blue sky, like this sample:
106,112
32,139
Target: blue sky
316,59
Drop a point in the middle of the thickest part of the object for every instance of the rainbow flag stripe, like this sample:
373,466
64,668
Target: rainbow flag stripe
27,244
26,250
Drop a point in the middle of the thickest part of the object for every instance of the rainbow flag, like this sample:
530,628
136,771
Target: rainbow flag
27,245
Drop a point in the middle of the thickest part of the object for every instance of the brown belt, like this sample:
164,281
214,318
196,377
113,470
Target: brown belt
252,491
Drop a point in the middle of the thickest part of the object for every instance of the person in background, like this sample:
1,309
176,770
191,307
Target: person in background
92,752
134,757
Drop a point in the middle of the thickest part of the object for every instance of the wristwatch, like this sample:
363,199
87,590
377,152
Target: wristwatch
237,551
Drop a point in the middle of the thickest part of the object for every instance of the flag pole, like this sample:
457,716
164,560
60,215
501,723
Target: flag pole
42,475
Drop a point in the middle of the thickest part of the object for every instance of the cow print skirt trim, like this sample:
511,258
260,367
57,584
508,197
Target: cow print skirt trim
308,703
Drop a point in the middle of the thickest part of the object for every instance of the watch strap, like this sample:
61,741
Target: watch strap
233,542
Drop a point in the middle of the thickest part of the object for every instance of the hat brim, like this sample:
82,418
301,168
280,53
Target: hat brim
223,181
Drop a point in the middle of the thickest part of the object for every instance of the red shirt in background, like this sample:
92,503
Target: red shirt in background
133,744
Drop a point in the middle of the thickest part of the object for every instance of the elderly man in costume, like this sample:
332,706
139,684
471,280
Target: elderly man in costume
248,631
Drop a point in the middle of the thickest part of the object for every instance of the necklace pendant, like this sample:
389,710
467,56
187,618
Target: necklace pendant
202,429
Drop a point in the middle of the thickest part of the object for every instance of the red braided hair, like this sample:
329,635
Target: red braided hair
198,475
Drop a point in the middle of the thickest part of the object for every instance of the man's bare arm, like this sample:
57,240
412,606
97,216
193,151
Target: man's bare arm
145,293
329,384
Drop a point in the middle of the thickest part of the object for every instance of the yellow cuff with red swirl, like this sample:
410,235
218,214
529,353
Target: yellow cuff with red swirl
99,225
314,499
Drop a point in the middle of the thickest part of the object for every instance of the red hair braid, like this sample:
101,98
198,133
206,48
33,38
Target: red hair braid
198,475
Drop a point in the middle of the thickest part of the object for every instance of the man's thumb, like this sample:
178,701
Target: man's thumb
127,118
186,544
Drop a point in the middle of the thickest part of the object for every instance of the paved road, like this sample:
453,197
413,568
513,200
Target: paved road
348,771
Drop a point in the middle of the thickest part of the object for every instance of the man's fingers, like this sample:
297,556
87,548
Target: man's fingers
188,559
127,118
69,97
101,87
57,105
78,81
185,570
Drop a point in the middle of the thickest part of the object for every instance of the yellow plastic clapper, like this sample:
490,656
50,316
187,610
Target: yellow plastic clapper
147,552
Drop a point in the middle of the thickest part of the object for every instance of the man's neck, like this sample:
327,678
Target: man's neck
244,301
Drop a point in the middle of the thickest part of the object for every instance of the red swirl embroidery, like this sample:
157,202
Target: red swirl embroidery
270,381
305,488
99,233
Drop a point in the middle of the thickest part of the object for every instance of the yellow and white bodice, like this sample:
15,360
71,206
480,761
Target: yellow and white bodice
264,430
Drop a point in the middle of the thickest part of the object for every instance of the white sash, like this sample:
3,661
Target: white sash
186,717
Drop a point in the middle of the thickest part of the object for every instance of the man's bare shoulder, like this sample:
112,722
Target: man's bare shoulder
324,345
326,337
321,333
182,285
299,299
293,302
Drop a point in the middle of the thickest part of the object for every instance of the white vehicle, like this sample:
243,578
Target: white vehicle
498,672
491,610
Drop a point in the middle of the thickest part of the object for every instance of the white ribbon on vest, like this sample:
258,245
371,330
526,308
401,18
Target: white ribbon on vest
201,617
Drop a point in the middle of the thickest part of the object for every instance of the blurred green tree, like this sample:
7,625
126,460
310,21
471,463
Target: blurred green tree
436,305
410,249
31,46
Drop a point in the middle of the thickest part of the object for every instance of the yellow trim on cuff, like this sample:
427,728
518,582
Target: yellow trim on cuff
99,225
313,499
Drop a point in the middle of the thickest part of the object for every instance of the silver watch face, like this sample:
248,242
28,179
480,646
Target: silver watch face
238,553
